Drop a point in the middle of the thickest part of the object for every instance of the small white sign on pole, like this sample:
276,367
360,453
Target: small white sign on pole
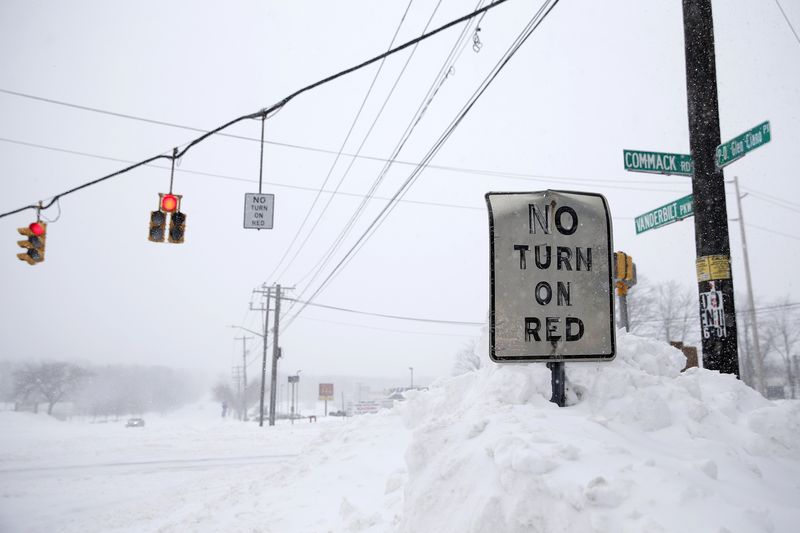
259,210
551,288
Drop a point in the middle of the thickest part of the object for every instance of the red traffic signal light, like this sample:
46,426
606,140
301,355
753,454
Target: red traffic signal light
169,202
37,228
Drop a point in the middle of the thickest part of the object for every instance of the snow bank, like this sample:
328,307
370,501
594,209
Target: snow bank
641,447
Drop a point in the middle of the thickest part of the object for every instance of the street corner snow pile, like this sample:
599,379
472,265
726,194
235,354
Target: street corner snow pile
641,446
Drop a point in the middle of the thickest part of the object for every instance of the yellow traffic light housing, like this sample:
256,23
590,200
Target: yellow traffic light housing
36,235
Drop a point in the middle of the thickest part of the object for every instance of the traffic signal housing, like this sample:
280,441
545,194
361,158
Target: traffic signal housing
158,225
177,227
36,235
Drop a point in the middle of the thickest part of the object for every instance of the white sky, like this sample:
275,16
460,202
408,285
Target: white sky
596,78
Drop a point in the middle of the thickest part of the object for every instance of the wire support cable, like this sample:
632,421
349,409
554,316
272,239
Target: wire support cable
262,112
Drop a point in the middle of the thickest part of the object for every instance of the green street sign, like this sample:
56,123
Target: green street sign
666,214
736,148
658,162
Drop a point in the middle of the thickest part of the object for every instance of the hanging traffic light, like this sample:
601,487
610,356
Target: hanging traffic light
177,227
36,234
168,204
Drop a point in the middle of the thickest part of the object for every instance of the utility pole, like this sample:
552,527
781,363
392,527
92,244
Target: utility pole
712,246
236,374
265,309
758,381
276,353
244,374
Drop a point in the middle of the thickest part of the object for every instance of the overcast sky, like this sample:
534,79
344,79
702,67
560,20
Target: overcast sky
594,79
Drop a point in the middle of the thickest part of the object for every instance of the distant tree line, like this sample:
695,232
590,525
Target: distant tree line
112,390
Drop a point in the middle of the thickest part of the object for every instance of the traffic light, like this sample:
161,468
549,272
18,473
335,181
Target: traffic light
36,234
621,262
168,204
177,227
158,225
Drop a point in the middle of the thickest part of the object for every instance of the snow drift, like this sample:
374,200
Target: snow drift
640,447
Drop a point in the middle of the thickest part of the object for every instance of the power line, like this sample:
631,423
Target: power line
768,230
339,153
449,168
788,21
440,77
382,315
526,33
773,200
263,113
495,173
364,326
229,177
361,146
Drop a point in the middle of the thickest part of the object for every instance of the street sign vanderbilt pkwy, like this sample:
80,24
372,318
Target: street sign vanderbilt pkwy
551,286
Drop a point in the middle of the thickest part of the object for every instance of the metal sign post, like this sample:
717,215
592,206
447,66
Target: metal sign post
551,287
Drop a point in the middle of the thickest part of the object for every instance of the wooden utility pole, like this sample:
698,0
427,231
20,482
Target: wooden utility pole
265,309
244,375
276,353
715,282
758,381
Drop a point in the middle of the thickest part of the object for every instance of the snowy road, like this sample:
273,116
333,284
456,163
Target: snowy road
105,469
192,472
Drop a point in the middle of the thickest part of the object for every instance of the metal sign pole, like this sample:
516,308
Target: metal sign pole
557,378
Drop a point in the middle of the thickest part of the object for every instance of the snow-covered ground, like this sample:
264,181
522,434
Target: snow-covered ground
641,448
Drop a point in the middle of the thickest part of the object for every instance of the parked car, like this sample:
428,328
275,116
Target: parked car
135,423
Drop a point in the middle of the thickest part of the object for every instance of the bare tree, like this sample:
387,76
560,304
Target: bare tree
48,382
783,339
677,310
666,311
467,359
25,388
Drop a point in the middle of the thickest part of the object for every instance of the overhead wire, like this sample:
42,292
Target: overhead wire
229,177
499,174
376,328
384,315
450,168
404,189
341,149
527,31
423,105
363,142
789,22
265,112
769,230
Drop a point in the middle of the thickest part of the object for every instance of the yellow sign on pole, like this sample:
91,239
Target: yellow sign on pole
711,267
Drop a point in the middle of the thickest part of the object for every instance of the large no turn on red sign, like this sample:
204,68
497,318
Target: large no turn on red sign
551,288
